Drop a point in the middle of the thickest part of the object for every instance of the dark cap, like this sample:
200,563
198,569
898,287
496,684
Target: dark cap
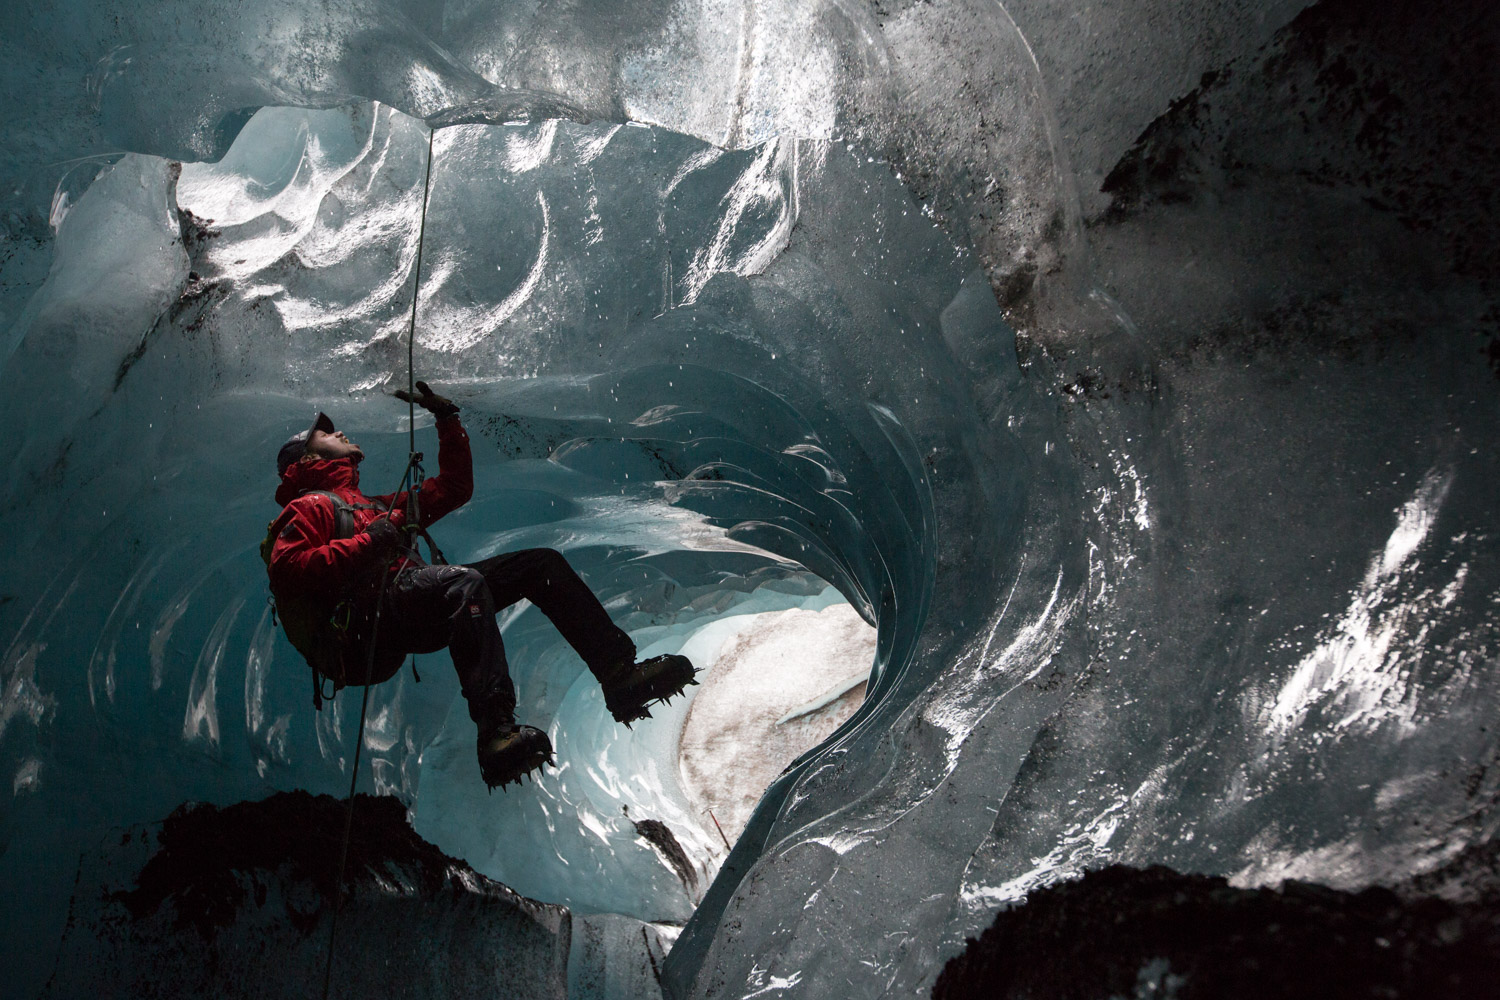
296,445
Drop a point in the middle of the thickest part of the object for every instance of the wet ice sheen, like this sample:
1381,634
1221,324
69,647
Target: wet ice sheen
709,345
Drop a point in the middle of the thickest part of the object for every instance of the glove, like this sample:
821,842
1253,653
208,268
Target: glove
438,406
385,537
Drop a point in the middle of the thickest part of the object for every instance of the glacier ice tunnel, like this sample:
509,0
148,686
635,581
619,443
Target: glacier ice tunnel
1065,437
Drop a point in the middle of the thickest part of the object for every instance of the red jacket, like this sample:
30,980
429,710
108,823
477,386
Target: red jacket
308,560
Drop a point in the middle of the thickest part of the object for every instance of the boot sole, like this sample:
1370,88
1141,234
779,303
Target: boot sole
665,687
503,773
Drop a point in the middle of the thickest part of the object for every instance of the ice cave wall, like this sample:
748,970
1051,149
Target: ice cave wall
1206,580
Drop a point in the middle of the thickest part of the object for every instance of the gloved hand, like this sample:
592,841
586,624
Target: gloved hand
385,537
438,406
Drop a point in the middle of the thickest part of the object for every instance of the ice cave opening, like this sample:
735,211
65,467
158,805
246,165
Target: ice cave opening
696,499
640,397
1104,396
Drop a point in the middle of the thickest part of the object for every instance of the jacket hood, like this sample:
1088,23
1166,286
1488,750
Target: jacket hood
326,474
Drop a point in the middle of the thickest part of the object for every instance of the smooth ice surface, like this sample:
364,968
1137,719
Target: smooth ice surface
614,957
573,837
1192,562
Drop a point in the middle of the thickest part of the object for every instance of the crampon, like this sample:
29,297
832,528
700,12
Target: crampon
511,753
657,680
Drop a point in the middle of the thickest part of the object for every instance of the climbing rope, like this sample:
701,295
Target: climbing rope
411,336
338,886
411,482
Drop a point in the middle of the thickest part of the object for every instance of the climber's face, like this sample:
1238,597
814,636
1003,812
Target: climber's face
326,446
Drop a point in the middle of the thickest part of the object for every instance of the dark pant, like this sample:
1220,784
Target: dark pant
428,607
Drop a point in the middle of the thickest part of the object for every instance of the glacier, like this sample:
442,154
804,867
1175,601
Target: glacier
1130,371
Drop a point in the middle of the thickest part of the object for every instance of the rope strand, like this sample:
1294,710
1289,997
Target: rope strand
338,886
411,336
411,483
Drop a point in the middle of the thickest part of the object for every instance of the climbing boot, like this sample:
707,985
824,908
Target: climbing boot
509,752
629,690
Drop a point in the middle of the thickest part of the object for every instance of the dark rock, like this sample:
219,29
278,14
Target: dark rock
237,902
660,836
1128,932
1389,103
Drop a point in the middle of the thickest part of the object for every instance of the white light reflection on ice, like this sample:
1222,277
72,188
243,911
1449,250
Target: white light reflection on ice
22,695
463,328
1033,645
1082,845
525,151
758,977
201,719
769,184
1359,664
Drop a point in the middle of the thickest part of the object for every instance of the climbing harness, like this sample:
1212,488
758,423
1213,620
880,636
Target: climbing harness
321,635
412,481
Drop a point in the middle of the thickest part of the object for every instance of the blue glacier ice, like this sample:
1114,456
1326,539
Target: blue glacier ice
1147,418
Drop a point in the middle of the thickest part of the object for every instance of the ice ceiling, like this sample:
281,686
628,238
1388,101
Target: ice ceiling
1172,503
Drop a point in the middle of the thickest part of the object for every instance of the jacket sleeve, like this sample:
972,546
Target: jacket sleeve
451,488
307,558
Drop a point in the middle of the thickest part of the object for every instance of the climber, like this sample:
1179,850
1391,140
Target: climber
343,568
